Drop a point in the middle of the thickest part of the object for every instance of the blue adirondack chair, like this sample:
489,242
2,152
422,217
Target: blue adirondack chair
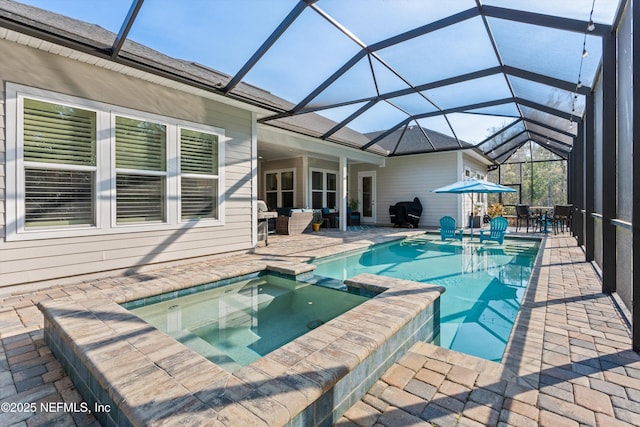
496,231
448,229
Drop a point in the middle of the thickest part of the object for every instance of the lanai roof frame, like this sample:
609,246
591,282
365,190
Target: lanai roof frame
569,18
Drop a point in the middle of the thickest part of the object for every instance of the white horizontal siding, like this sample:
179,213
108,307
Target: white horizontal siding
476,167
404,178
2,163
87,266
26,261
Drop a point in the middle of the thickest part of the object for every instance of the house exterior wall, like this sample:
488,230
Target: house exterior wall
406,177
31,260
296,163
323,164
476,169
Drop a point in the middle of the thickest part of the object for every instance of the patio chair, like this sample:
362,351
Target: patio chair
353,218
561,217
448,229
496,231
330,216
524,214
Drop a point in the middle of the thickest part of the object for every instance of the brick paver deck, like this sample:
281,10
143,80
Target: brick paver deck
568,361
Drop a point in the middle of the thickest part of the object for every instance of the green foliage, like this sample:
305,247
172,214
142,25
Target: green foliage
317,217
542,182
496,209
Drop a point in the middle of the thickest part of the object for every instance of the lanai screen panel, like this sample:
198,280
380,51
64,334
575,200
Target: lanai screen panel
368,66
201,31
381,116
470,92
597,179
624,211
552,148
505,109
365,80
547,51
548,96
625,119
502,137
475,128
558,135
375,20
604,10
414,104
509,147
303,57
442,126
439,55
556,122
598,147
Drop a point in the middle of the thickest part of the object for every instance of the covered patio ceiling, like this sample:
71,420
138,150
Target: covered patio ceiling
389,77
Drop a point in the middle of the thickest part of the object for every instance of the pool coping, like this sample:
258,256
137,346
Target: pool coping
150,377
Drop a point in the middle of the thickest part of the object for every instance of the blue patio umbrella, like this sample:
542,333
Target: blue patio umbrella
471,186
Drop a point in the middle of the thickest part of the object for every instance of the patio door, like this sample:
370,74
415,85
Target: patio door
367,196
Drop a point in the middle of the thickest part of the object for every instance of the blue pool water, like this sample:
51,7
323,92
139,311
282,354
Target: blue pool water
485,283
236,324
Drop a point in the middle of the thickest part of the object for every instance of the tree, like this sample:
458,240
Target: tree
540,175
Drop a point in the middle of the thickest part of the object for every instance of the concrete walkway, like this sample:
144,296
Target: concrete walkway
567,363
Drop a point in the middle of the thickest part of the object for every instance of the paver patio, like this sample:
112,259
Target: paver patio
568,361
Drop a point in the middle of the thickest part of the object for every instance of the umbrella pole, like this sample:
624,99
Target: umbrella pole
471,219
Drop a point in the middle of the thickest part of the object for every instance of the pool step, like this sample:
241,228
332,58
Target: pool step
202,347
328,282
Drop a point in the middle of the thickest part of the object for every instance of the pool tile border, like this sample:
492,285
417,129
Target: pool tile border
310,381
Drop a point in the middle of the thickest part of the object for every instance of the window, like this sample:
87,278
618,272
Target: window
280,188
141,165
80,167
59,146
199,174
323,188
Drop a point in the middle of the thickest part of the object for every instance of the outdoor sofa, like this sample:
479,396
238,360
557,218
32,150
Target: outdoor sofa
293,221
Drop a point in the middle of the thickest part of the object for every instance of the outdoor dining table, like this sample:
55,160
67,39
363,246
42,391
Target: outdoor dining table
545,214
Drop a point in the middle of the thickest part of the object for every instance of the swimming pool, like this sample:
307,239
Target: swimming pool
484,283
128,364
236,324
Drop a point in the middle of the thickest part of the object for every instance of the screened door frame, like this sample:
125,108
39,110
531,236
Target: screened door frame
374,217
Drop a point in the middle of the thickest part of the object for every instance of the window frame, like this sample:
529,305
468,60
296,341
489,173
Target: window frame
105,170
22,164
279,190
138,172
180,174
324,190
